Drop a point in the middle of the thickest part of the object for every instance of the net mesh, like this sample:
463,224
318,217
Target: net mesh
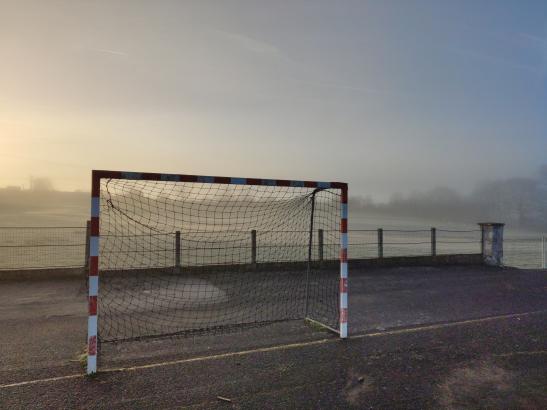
178,258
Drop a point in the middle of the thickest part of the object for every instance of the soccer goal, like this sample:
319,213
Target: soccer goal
185,254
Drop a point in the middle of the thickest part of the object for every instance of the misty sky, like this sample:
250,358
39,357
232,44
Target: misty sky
386,95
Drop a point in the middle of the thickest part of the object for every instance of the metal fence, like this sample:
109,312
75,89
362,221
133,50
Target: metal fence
525,252
385,243
65,247
42,247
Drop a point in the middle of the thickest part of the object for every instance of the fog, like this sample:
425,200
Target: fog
518,202
41,205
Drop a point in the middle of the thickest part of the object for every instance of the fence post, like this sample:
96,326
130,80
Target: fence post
177,250
380,243
483,238
433,241
87,235
320,244
253,247
544,255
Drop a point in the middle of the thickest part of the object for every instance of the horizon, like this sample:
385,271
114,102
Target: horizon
40,184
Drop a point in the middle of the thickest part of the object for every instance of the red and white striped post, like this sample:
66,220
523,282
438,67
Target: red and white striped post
93,275
344,262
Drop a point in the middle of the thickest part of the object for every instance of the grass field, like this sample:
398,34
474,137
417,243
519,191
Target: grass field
445,337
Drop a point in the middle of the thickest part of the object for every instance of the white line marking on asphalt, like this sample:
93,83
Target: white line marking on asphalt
276,348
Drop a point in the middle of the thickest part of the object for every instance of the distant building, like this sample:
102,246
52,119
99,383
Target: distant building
13,188
41,184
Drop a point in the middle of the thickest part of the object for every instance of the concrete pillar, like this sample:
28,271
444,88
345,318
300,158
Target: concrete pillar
492,243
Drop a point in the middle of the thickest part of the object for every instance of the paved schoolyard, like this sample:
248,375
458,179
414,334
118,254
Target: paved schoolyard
496,360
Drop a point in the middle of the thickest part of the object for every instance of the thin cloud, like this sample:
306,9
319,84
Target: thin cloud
113,52
540,42
348,87
501,61
264,48
533,38
249,43
116,53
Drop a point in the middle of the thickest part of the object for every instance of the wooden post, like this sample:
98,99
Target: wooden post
87,235
177,250
380,243
253,247
320,244
433,242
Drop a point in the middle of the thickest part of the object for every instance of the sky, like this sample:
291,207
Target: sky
389,96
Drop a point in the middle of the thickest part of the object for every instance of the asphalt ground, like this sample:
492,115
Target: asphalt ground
393,359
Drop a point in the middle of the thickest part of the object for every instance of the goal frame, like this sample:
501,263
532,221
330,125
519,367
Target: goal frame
93,273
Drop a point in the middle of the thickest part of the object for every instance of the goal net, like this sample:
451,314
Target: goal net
179,255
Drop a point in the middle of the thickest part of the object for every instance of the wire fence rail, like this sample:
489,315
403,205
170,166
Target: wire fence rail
66,247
